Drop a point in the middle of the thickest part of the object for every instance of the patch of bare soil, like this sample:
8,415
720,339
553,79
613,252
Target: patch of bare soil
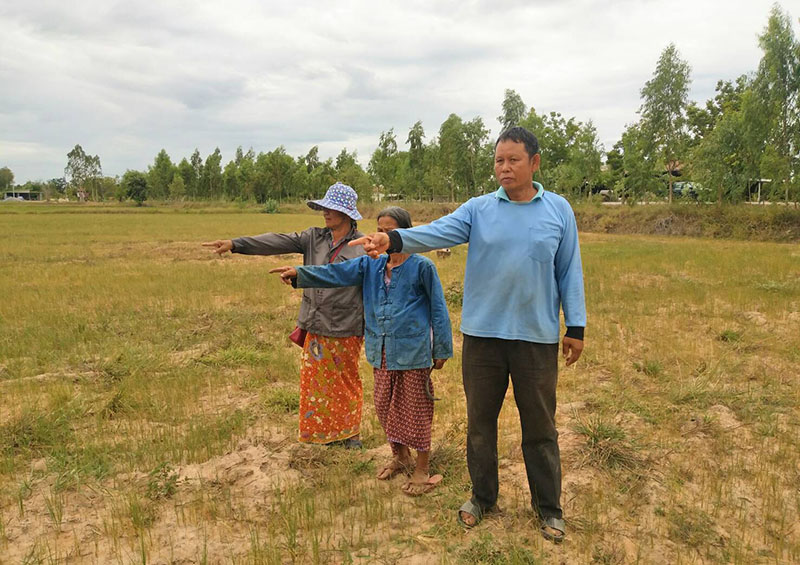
103,523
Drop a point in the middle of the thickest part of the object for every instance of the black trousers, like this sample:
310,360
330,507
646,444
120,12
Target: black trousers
486,366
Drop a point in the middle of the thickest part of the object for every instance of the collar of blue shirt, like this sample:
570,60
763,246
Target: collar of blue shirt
501,193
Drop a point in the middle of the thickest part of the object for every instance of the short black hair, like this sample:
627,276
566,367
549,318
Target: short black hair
520,135
398,214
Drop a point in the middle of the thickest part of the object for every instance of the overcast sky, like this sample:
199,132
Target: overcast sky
125,79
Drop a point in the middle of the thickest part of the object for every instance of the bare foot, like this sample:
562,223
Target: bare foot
394,467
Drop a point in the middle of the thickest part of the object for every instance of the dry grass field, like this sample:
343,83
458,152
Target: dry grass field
148,406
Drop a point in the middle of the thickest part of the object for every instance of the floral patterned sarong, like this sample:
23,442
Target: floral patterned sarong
331,395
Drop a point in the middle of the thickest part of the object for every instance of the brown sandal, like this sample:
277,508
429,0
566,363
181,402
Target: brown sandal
395,468
412,488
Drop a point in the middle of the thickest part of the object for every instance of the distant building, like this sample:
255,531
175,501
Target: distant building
22,195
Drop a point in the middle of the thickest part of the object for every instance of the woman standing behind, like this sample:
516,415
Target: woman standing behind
330,388
407,332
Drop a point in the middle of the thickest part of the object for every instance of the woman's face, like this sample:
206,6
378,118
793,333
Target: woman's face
387,224
334,219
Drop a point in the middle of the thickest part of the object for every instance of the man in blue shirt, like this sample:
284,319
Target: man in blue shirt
523,268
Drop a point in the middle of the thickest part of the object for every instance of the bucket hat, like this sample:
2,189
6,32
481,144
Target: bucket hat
339,197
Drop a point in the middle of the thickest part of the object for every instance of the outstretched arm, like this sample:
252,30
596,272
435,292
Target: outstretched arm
271,243
447,231
332,275
264,244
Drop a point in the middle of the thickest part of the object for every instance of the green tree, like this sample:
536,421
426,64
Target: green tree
348,170
274,172
55,187
193,183
717,162
311,160
187,172
177,188
437,177
383,165
160,175
581,169
571,154
211,176
641,176
95,174
663,110
230,180
777,83
615,168
416,158
479,160
701,121
246,172
346,159
6,178
134,186
514,110
453,155
106,187
325,174
83,171
726,140
555,135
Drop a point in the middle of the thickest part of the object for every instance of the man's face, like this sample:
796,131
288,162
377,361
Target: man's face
513,167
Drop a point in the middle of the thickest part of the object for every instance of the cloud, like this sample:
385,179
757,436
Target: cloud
126,79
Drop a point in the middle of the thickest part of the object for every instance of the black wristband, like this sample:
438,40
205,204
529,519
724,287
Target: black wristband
395,243
575,332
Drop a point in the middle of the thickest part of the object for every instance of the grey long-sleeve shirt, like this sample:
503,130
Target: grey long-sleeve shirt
335,312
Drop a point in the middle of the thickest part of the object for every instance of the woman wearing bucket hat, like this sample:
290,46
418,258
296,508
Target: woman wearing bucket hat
331,321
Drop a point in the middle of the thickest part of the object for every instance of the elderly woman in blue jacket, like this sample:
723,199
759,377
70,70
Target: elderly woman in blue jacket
407,333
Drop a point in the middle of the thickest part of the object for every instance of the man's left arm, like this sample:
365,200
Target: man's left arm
569,277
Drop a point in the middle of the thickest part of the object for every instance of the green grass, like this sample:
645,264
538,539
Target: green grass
149,396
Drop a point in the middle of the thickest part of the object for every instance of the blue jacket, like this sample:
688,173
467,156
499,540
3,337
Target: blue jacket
398,319
523,264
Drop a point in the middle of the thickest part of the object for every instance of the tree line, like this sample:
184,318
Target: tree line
747,135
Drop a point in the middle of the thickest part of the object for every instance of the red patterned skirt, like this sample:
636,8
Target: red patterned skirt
403,408
330,389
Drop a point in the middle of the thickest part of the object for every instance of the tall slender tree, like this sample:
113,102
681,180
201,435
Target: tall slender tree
777,83
211,176
416,157
383,165
159,175
514,110
663,110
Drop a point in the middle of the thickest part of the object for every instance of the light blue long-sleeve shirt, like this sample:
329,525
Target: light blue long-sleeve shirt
523,264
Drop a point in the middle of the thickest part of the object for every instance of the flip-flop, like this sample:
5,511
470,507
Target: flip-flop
554,524
393,471
470,508
410,487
